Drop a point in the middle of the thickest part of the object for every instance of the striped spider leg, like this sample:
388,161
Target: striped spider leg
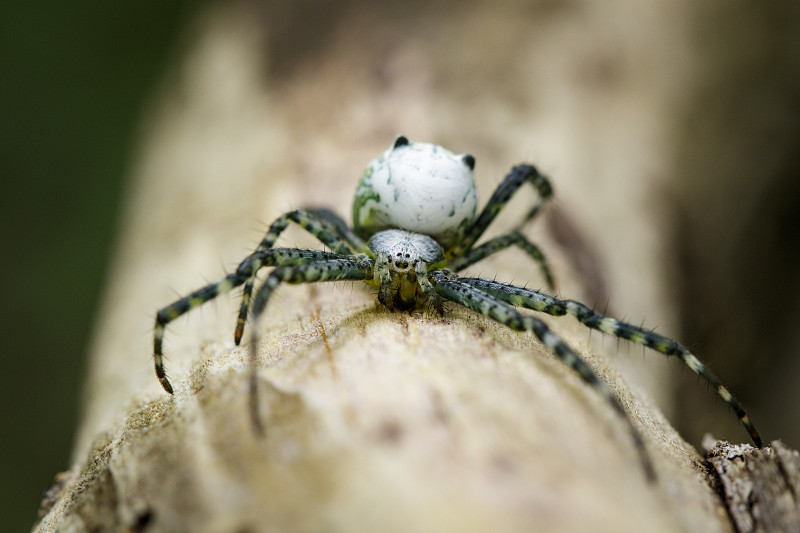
244,272
497,244
495,305
323,224
462,254
321,269
540,301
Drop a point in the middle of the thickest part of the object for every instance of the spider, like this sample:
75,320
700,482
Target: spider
414,228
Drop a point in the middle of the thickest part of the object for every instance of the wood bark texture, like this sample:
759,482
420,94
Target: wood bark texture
761,487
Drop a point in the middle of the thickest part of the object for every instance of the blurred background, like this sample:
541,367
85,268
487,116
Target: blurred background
721,83
75,79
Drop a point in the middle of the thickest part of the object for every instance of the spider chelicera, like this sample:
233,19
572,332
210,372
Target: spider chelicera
414,228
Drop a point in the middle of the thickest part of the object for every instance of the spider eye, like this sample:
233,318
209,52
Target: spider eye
400,141
469,160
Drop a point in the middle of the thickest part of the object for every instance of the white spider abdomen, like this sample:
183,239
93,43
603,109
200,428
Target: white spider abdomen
419,187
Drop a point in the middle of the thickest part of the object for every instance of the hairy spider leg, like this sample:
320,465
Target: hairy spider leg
322,224
453,288
499,244
272,257
339,224
533,299
516,177
339,269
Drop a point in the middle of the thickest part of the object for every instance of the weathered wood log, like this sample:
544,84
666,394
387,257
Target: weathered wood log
375,421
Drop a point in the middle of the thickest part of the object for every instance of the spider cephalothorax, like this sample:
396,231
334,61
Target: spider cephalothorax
401,266
414,228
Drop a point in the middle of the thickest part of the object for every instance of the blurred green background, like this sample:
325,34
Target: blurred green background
74,78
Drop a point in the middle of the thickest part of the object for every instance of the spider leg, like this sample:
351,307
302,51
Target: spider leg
455,289
667,347
498,244
427,288
518,175
382,276
337,269
339,224
519,296
245,271
323,224
540,301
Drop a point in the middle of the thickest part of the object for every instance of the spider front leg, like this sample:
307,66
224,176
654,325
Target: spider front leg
338,269
323,224
245,272
540,301
452,288
518,175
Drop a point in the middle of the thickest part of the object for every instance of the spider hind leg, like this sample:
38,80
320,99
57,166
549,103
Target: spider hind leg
499,244
517,176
